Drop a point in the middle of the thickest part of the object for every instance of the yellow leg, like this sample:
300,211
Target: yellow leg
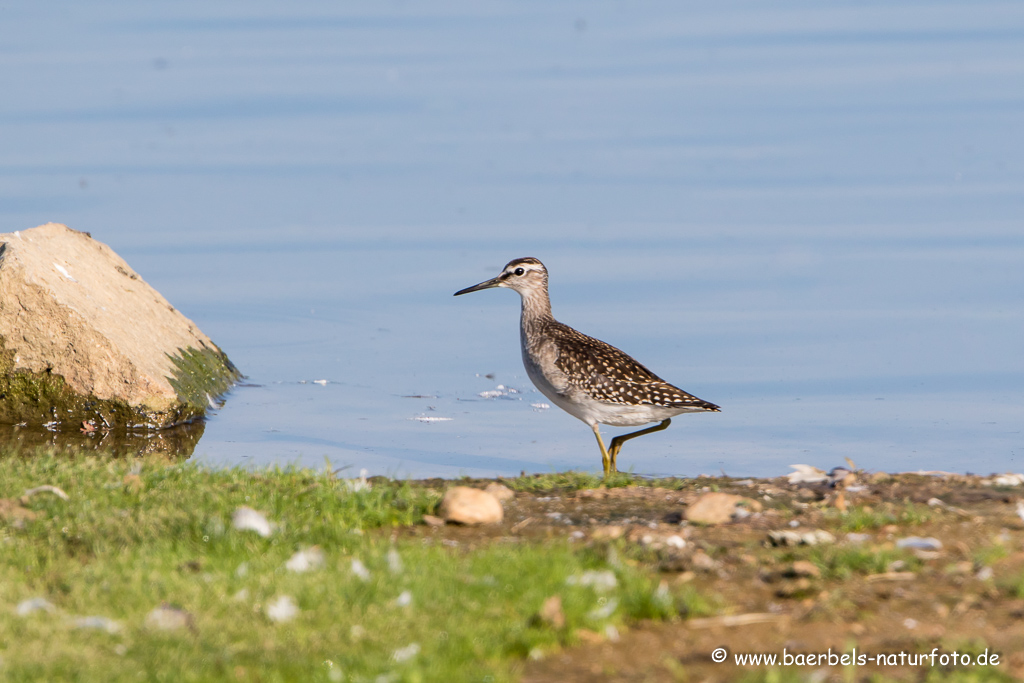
605,460
617,442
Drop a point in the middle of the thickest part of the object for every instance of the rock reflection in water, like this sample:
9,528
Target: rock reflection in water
175,443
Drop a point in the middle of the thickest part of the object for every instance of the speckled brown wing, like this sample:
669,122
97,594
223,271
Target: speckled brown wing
611,376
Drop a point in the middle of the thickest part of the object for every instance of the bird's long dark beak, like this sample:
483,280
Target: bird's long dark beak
493,282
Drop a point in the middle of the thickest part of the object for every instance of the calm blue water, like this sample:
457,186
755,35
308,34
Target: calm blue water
811,215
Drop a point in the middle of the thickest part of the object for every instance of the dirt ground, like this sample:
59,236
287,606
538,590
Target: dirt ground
959,588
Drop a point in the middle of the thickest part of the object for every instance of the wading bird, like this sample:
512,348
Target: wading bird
585,377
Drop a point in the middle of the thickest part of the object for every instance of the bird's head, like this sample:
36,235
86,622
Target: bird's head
525,275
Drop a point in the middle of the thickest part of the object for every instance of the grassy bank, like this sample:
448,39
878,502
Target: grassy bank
132,537
116,570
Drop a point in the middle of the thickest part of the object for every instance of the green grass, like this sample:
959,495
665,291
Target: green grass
572,480
843,562
990,554
1013,585
862,517
119,547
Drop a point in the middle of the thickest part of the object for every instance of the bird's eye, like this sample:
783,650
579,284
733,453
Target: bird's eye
519,271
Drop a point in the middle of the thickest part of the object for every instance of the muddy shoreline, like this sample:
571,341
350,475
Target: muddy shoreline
907,563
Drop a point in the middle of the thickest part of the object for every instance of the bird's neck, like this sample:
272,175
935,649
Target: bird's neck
536,308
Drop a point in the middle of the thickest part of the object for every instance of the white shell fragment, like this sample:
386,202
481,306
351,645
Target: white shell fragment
26,607
98,623
394,562
601,581
806,474
305,560
404,654
603,611
247,519
283,609
359,569
46,488
168,618
1008,479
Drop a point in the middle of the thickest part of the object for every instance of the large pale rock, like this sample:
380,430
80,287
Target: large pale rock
465,505
719,508
83,338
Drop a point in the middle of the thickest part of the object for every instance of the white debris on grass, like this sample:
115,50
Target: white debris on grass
247,519
662,595
360,484
98,623
404,654
168,618
26,607
675,541
404,599
46,488
1008,479
282,609
602,580
1020,509
395,562
305,560
605,608
359,569
806,474
857,538
790,538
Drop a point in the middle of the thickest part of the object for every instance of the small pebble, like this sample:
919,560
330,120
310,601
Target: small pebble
918,543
